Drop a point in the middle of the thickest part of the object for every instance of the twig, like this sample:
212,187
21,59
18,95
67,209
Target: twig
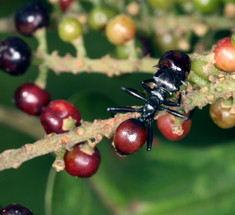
105,65
222,88
13,158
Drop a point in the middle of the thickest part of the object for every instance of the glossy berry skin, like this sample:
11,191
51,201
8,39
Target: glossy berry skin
15,209
177,61
120,29
69,29
225,55
15,56
130,136
60,116
31,17
83,161
31,99
221,115
65,4
165,124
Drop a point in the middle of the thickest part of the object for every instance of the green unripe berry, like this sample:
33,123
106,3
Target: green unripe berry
69,29
161,4
206,6
122,51
99,17
198,66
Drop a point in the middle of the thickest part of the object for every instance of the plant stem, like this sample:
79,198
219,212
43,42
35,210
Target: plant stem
13,158
42,48
22,122
49,191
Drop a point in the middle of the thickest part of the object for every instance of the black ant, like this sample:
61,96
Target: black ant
173,69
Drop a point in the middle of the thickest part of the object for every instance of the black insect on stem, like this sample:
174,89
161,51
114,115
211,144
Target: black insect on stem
173,69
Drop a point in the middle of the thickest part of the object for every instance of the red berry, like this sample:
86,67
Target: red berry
15,209
65,4
130,136
60,116
165,124
15,56
31,99
225,55
82,161
31,17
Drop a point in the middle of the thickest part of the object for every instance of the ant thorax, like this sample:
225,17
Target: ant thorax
159,93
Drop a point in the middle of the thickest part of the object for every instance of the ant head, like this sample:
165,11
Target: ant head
168,80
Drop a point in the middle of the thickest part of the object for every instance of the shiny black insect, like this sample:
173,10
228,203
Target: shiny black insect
173,69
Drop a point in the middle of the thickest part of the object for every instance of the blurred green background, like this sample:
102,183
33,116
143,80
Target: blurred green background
189,177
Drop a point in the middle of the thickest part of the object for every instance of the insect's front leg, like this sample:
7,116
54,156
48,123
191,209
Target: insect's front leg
175,113
134,93
146,86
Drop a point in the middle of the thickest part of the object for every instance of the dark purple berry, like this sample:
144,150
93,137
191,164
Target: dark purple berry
31,17
15,56
15,209
60,116
130,136
83,161
31,99
177,61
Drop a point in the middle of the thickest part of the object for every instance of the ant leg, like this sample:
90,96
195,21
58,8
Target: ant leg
173,104
175,113
134,93
123,109
150,135
145,86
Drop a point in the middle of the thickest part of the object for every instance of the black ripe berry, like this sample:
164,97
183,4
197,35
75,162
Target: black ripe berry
130,136
31,17
31,99
15,209
15,56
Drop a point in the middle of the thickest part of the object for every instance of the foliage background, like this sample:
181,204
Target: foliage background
192,176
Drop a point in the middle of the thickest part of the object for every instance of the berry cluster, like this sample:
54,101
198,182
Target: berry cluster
221,111
130,136
56,116
163,90
15,55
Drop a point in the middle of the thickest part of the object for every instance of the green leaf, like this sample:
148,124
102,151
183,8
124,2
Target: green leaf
92,105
